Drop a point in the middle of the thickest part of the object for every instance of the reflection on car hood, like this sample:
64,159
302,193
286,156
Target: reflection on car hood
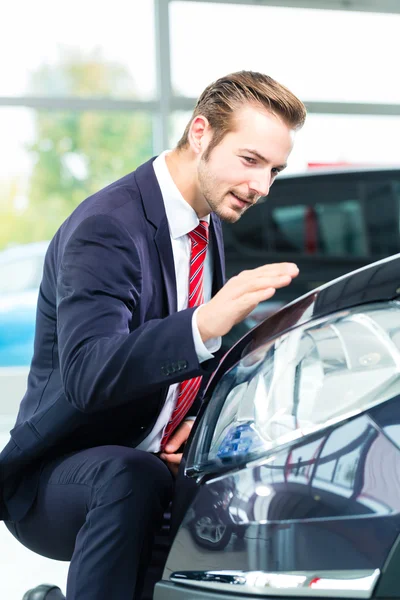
376,282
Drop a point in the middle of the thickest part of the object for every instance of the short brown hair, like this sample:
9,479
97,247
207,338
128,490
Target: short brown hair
222,97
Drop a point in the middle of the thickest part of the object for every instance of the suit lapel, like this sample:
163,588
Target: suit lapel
163,242
153,205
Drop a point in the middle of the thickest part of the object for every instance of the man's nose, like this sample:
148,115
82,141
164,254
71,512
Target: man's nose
261,184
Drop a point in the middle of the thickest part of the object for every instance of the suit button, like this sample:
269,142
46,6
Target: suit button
165,370
183,364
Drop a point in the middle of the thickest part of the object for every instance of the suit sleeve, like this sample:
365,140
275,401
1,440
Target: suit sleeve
103,363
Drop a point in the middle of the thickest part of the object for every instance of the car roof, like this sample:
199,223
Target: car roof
341,170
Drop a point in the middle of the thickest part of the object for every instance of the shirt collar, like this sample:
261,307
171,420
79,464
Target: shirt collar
180,215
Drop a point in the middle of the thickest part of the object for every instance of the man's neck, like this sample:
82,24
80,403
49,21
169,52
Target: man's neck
183,170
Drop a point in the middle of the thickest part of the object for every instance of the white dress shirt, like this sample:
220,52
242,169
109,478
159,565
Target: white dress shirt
181,220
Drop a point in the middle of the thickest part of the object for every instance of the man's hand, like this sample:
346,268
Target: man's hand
177,439
240,295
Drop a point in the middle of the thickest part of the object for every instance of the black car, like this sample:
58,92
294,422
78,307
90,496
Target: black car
290,485
328,222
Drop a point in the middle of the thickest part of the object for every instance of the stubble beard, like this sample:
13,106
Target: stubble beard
225,213
207,186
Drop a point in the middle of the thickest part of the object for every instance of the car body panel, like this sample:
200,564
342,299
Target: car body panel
281,513
328,501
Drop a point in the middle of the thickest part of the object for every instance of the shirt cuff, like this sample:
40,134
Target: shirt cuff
203,349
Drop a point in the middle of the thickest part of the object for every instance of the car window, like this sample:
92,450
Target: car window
326,229
20,275
382,205
349,215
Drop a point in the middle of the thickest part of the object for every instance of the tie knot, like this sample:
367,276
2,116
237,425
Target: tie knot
199,235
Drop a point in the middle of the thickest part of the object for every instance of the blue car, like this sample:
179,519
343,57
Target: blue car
20,275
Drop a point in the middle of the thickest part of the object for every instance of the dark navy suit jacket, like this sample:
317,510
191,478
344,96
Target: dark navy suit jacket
109,340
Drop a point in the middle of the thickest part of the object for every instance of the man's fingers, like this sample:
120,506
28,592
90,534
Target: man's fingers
276,269
174,459
254,298
259,278
261,283
172,464
179,436
240,295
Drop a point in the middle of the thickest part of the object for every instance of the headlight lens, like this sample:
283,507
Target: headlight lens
304,380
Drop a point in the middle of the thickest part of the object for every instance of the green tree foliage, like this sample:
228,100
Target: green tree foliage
76,153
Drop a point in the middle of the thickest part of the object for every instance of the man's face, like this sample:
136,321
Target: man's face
244,165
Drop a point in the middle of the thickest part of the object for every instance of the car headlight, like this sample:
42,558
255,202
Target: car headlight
307,379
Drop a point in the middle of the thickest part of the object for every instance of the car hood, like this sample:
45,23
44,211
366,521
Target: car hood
376,282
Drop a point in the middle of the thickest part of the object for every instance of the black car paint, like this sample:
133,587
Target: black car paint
301,526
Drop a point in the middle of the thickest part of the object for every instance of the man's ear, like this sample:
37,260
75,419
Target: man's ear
198,133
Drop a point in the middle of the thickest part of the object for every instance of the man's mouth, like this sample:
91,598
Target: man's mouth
243,202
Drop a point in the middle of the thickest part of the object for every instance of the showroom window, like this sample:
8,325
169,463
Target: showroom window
58,158
61,55
316,53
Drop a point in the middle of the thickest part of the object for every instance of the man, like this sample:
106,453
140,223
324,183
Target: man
131,310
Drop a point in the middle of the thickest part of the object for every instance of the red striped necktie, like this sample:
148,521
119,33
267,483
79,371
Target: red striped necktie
188,389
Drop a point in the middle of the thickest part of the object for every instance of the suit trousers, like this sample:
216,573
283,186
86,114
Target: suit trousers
99,508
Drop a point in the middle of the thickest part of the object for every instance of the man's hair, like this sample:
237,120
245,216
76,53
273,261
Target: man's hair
223,97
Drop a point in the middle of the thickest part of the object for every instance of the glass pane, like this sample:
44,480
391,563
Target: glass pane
319,54
332,215
335,229
360,140
177,123
382,202
81,49
289,225
56,159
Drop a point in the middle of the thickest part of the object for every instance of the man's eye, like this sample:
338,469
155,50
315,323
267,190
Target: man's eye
249,160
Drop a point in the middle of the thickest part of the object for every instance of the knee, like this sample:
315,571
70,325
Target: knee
128,473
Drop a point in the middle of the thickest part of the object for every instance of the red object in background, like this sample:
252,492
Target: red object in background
321,165
310,230
344,163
